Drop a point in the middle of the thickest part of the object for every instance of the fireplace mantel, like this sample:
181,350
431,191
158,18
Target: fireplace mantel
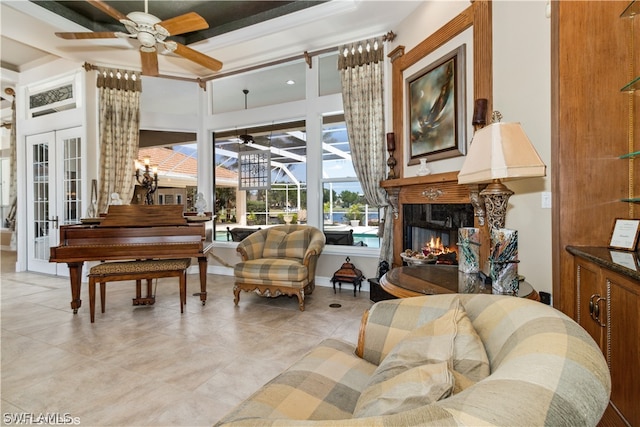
441,188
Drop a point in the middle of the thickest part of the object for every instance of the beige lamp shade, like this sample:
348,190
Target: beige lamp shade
500,151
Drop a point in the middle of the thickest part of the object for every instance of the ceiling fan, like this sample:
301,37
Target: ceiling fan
150,31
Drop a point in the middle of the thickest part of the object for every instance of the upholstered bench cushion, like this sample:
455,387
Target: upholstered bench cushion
324,385
270,269
145,266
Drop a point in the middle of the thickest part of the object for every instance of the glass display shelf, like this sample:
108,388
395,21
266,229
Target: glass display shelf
632,200
630,155
632,86
632,10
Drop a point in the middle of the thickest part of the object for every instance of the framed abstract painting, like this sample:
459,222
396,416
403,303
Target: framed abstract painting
436,108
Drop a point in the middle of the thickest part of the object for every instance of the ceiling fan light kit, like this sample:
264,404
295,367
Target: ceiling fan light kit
149,30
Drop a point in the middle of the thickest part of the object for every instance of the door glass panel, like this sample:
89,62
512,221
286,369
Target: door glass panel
72,181
41,201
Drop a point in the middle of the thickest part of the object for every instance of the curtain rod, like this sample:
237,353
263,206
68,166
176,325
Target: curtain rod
90,67
389,36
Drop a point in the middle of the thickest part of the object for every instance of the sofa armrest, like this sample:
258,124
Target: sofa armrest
251,246
363,323
312,251
316,245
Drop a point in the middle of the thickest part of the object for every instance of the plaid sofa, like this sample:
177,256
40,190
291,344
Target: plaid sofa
544,370
278,261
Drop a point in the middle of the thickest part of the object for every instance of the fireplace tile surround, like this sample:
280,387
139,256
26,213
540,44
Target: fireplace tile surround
435,189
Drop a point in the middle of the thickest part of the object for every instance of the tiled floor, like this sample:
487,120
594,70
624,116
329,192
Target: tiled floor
152,366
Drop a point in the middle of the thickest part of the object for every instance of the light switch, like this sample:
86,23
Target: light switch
546,200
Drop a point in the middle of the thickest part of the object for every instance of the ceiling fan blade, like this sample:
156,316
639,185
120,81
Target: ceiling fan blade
184,24
107,9
96,35
149,63
197,57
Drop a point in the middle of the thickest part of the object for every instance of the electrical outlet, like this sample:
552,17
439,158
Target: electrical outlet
546,200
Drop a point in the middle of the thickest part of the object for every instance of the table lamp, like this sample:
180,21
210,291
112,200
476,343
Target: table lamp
499,152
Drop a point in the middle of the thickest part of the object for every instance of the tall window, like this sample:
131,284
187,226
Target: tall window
286,199
344,205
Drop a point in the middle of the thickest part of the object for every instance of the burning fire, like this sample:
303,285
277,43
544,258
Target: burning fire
434,252
435,247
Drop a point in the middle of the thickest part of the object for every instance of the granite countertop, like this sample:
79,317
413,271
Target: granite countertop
618,261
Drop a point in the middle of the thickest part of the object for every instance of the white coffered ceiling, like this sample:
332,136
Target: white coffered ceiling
28,40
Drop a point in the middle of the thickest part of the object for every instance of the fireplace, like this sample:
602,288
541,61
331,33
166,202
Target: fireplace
435,225
433,206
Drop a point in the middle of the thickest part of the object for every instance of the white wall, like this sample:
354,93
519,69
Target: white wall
522,93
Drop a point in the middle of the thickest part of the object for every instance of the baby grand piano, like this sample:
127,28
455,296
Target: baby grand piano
130,232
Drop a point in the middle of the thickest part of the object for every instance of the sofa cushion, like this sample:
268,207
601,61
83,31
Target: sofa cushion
274,270
470,361
390,323
450,338
323,385
410,389
280,244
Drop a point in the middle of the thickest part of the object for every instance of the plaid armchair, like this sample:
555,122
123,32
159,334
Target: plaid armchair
278,261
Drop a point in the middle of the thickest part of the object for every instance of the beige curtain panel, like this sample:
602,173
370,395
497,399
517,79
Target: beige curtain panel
119,122
361,71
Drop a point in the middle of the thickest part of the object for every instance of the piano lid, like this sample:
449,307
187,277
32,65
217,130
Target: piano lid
143,216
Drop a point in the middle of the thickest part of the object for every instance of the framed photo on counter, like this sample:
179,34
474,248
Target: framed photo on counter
625,234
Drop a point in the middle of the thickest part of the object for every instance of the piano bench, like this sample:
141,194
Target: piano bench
137,270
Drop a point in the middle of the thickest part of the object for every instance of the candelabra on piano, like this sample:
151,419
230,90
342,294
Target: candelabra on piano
147,177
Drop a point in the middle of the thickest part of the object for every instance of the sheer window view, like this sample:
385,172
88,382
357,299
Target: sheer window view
347,219
283,200
260,172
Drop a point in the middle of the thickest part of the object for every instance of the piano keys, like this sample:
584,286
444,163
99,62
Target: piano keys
129,232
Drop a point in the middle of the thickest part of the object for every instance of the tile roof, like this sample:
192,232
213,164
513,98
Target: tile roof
175,162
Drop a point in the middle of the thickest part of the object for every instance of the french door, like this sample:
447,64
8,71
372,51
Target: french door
54,188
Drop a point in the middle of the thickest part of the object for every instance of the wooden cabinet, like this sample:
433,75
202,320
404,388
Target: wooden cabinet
590,130
623,352
608,307
592,299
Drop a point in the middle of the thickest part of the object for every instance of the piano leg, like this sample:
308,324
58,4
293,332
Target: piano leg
202,263
75,276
